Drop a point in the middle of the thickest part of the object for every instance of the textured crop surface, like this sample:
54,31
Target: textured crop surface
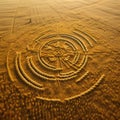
59,59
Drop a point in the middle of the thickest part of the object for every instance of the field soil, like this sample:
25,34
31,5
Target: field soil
59,59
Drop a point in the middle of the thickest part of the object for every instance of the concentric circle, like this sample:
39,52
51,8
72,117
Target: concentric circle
61,56
53,65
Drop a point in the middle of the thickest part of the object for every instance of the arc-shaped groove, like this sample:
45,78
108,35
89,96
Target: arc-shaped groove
37,70
82,77
8,69
87,40
48,99
73,66
81,66
64,78
38,73
67,73
37,40
45,65
76,39
24,76
89,36
89,90
77,56
49,36
42,34
50,66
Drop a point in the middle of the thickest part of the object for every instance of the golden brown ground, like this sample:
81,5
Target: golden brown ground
94,92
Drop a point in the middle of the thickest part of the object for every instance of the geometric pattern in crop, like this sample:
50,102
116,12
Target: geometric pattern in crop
53,66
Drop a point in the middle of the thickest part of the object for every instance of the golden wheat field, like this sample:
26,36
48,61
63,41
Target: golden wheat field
59,59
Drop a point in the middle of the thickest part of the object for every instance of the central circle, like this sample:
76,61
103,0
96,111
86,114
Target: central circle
57,54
